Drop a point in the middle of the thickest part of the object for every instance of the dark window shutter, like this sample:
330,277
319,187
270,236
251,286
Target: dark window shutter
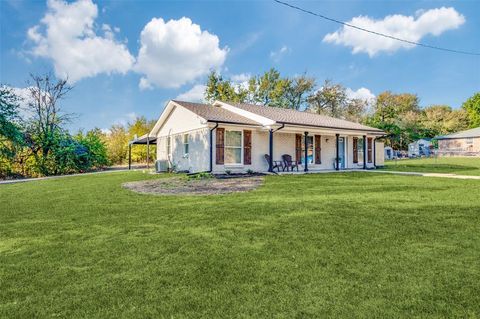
220,138
298,148
370,140
355,149
318,149
247,147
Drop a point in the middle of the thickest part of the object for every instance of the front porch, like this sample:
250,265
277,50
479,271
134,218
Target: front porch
310,149
319,150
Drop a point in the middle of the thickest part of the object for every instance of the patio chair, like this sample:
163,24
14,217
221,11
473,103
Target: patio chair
275,164
288,163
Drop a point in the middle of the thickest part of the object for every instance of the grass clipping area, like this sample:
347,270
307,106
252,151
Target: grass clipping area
186,186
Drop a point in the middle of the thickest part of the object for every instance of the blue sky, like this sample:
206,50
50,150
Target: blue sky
128,58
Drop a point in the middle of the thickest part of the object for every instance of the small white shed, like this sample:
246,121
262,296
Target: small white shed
419,148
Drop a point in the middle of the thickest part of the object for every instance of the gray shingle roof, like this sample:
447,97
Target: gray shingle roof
288,116
215,114
474,132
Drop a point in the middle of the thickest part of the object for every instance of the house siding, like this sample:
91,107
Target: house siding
198,157
181,121
380,153
456,146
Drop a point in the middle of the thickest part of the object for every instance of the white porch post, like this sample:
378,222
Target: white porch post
306,152
364,152
270,150
337,157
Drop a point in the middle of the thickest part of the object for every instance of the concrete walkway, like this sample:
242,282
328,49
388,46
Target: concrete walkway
443,175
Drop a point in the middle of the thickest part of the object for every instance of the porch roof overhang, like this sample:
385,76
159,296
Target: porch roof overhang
295,128
143,140
288,126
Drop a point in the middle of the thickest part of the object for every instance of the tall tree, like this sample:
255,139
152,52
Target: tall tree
442,119
331,99
140,126
220,89
269,89
298,90
398,115
10,133
384,108
117,144
47,117
355,110
472,106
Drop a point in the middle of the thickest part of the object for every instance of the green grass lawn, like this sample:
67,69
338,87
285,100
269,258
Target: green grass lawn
321,245
455,165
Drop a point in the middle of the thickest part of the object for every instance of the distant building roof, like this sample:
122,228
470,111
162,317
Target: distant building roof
474,132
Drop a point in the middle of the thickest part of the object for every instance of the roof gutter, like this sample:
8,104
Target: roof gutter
211,147
233,123
335,128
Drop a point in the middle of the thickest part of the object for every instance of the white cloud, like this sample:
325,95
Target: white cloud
241,80
171,53
66,35
361,93
176,52
195,94
412,28
276,56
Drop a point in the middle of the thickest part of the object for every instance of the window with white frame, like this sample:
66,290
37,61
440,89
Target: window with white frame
469,140
233,147
185,144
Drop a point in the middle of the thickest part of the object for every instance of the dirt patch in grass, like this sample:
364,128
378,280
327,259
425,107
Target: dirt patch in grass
184,186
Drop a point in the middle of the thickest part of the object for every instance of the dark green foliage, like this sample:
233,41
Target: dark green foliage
346,245
39,145
10,134
94,148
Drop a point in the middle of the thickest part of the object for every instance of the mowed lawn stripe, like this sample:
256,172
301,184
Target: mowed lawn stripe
340,245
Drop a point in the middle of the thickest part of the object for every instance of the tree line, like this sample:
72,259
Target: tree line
398,114
34,140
